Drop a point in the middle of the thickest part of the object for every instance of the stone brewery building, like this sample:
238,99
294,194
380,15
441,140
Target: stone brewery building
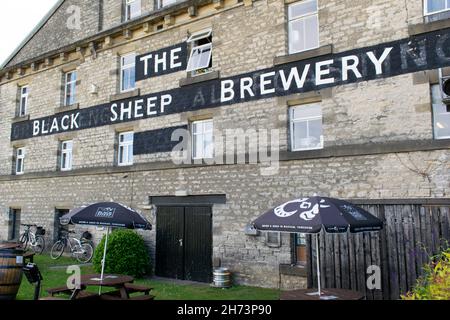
349,97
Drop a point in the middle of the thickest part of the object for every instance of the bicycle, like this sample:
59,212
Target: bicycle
81,249
33,239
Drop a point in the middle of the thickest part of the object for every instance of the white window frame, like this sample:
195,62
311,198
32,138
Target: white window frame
293,121
435,135
71,83
23,106
20,158
202,48
68,153
125,148
124,67
203,133
425,9
162,5
302,17
128,12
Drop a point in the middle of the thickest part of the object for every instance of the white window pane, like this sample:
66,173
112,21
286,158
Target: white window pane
128,79
315,132
200,35
196,127
311,32
128,60
121,155
128,137
441,121
448,4
307,111
302,8
208,126
300,135
168,2
296,36
208,146
200,57
435,5
198,146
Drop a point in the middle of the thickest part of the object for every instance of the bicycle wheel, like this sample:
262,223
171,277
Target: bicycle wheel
84,252
39,245
24,240
57,250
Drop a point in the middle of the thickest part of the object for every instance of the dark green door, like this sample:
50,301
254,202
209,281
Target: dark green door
184,243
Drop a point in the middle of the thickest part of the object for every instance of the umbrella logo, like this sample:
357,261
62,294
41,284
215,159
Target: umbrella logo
107,213
306,215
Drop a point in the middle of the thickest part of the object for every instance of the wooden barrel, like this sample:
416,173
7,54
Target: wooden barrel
11,264
222,278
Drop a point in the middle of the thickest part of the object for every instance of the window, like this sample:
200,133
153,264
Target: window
125,157
306,127
200,60
303,26
202,139
441,114
23,104
165,3
20,161
127,72
70,88
132,9
273,239
436,6
300,248
436,10
66,155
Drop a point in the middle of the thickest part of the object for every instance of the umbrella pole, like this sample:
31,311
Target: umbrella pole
318,264
103,262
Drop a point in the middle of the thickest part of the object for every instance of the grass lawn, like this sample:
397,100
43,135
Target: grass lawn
54,274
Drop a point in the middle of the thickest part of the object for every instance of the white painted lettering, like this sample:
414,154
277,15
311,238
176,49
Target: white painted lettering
226,92
378,63
350,63
246,86
265,82
323,72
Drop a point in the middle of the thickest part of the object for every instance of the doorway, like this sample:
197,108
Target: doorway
14,224
184,243
58,227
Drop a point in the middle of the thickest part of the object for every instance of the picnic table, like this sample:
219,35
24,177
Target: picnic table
123,284
327,294
109,280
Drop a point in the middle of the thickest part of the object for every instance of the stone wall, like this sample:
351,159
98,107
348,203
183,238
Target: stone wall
245,38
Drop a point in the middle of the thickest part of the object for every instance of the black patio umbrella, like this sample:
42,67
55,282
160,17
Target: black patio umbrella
312,215
109,215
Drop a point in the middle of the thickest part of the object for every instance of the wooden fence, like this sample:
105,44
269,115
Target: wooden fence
411,234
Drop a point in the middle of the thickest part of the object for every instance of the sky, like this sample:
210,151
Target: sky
17,19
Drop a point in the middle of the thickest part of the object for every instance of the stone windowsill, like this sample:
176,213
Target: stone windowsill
21,119
125,95
420,28
63,109
200,78
293,270
322,51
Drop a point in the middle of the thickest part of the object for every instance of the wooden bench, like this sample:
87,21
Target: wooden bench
135,288
59,290
109,297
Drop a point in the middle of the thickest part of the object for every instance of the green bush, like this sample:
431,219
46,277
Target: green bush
435,283
126,253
